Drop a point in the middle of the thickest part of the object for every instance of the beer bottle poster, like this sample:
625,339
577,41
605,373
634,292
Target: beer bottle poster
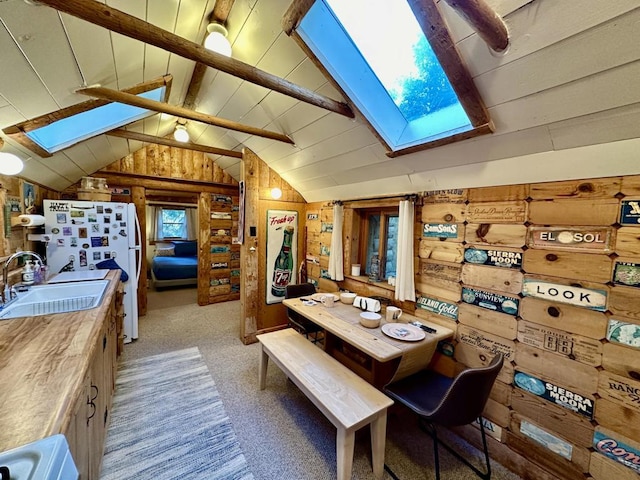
282,253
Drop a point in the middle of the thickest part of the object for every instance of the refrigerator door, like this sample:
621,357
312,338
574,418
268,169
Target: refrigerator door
84,234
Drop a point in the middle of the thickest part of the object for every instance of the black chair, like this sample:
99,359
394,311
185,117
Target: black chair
297,321
448,402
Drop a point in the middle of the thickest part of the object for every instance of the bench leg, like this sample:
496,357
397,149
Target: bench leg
345,441
262,370
378,435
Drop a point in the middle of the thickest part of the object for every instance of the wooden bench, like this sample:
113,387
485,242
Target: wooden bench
347,400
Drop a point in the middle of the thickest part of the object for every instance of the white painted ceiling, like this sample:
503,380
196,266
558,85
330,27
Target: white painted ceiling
565,98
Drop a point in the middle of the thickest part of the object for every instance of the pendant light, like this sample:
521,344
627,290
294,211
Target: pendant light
10,164
181,134
217,39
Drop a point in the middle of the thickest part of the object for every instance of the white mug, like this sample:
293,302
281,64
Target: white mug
327,301
393,314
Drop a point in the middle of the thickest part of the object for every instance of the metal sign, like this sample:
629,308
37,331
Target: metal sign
626,273
555,394
571,238
617,450
630,212
626,333
490,300
546,439
493,258
440,230
439,307
578,296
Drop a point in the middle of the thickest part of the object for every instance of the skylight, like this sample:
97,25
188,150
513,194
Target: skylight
378,54
68,131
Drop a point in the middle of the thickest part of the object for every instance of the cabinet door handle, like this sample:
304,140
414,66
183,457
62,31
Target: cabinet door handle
93,412
97,391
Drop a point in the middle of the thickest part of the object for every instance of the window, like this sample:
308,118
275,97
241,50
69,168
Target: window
379,237
377,53
171,224
71,130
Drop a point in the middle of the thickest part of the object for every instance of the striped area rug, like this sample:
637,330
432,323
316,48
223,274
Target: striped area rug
168,422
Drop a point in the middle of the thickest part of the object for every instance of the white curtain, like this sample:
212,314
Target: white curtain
192,223
335,254
405,286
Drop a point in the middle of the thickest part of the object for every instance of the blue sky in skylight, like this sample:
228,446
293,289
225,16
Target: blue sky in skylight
76,128
376,51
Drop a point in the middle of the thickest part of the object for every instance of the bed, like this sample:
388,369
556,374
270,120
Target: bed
175,264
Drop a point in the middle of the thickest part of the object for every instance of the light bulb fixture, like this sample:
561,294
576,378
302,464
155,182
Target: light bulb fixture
181,134
10,164
217,39
276,193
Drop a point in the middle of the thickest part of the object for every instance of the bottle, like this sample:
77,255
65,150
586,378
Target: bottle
283,267
37,273
27,273
374,269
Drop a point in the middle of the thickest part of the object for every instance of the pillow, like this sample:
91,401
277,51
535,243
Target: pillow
164,251
185,249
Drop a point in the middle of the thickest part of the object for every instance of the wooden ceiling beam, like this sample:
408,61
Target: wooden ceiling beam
122,97
487,23
142,137
132,27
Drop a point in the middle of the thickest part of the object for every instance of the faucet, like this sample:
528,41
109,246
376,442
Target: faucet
7,290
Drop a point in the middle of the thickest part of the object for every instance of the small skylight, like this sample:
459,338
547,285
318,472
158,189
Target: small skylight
68,131
377,53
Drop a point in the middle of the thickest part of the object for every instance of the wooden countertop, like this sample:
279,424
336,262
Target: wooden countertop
43,362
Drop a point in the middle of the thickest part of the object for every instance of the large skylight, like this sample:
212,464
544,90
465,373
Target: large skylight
377,53
68,131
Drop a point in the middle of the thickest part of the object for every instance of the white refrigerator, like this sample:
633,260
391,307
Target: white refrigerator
88,235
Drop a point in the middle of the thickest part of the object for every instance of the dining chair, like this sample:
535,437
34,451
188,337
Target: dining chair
297,321
448,402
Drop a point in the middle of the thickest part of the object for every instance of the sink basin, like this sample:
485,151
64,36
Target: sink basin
56,298
46,459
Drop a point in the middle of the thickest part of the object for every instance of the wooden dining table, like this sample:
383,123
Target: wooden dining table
369,352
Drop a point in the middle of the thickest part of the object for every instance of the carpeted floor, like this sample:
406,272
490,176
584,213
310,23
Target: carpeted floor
168,421
282,435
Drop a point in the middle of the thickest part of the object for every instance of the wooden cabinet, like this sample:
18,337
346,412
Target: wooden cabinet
91,408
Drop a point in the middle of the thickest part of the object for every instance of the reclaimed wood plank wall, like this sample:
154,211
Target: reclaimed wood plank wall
549,275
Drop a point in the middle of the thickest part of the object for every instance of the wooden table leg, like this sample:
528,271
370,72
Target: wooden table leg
262,370
345,441
378,437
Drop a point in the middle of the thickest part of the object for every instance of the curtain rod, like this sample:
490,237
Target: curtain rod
412,196
171,204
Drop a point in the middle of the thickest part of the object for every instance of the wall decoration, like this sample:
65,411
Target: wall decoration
630,212
282,253
28,197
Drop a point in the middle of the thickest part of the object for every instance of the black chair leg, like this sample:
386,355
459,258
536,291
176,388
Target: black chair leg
431,430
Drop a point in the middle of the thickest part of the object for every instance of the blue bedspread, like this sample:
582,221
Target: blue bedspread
175,268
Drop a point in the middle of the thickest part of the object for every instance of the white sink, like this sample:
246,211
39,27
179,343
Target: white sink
56,298
46,459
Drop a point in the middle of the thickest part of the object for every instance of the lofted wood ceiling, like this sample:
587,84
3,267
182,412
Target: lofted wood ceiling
564,97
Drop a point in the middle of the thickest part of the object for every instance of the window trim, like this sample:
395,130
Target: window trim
18,131
437,34
365,213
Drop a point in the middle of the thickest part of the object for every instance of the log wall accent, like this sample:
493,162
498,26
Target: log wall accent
548,274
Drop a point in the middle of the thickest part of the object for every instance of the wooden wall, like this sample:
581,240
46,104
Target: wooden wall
160,170
14,238
257,316
549,275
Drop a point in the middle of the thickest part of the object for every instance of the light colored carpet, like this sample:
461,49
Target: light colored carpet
168,421
282,434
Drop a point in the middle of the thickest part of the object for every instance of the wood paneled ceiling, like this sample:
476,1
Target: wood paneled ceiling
563,97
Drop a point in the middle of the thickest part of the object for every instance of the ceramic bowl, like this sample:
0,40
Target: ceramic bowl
370,319
347,297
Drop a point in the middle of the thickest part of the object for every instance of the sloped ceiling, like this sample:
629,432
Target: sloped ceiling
565,97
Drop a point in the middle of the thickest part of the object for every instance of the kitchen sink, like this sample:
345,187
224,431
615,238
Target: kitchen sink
56,298
46,459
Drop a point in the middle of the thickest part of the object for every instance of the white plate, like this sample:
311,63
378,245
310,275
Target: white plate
318,296
403,331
